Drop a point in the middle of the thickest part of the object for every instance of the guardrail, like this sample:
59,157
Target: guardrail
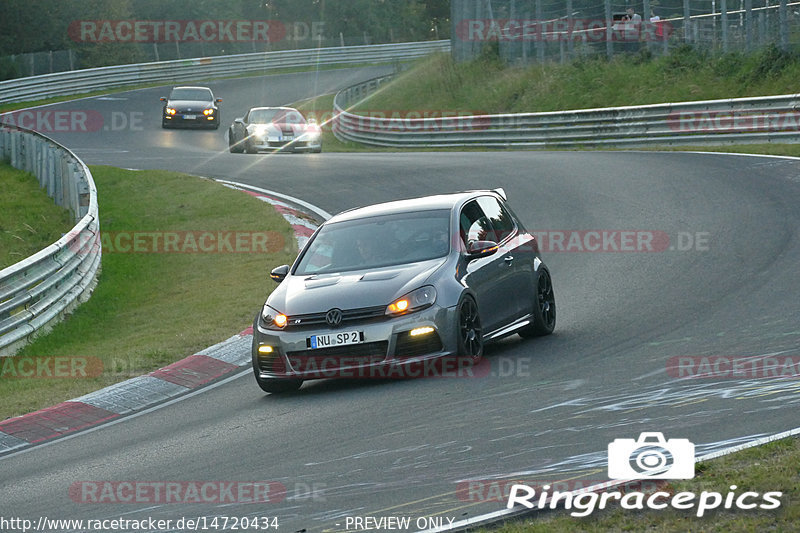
80,81
36,292
736,120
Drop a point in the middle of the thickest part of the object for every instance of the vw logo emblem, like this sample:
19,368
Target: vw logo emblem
334,317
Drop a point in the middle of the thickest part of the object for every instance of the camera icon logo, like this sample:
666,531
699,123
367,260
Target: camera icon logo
652,457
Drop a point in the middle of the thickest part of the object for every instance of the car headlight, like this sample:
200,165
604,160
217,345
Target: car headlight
208,112
171,111
413,301
272,319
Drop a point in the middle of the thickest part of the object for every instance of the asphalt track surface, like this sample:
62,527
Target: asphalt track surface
548,408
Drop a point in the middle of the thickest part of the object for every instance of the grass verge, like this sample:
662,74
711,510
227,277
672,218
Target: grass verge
29,220
151,309
767,468
486,85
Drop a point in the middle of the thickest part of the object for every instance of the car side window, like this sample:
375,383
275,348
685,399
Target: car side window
475,225
501,220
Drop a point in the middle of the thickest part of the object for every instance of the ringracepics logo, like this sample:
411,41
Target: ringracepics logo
649,457
652,457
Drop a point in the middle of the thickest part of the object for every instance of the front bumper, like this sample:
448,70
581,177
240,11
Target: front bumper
199,120
300,144
387,344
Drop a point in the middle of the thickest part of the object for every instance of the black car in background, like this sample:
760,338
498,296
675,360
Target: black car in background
190,106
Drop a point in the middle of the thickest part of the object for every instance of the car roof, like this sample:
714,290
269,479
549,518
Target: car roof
190,87
425,203
273,107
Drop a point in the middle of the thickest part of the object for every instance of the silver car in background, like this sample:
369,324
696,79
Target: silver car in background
400,283
274,129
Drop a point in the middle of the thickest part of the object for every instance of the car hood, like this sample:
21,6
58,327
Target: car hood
277,128
299,295
194,105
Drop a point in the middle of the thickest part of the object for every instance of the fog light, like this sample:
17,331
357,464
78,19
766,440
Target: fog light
421,331
263,349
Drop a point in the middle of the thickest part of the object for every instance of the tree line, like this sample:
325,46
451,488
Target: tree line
44,25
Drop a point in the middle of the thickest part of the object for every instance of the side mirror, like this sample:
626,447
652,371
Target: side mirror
163,99
279,273
478,249
218,100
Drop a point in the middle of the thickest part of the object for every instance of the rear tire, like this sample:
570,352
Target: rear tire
544,308
470,332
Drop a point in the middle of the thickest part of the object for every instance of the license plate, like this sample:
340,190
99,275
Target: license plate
288,137
189,117
335,339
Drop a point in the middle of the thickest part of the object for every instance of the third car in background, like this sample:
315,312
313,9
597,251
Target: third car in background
274,129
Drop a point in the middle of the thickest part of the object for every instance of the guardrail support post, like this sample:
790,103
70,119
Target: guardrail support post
570,22
687,22
783,21
539,36
748,25
723,7
609,24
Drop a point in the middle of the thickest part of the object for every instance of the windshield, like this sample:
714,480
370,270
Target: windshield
191,94
377,242
281,116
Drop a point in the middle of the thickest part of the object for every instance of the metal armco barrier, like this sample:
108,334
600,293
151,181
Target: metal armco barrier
737,120
81,81
36,292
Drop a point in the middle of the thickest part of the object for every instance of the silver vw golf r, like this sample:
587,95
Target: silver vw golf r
396,284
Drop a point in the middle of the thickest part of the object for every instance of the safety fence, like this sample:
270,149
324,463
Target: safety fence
736,120
39,290
81,81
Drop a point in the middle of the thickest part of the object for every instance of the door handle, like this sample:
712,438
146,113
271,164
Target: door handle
509,259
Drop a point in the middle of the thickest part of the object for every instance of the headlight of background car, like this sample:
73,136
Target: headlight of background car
272,319
171,111
208,112
413,301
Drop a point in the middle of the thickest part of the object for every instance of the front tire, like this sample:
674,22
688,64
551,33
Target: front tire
234,146
544,308
470,332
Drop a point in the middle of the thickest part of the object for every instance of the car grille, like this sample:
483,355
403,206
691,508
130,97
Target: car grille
408,346
365,351
348,315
